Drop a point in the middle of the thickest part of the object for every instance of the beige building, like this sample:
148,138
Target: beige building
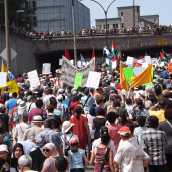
125,19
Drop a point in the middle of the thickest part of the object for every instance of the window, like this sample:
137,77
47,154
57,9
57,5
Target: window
121,13
100,26
116,25
108,26
122,24
104,26
34,21
33,4
154,21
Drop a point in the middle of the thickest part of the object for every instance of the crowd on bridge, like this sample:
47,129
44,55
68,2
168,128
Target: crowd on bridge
54,127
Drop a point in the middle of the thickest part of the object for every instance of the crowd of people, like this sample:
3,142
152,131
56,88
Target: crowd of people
55,127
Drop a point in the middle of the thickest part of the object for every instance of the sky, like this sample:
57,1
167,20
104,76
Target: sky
147,7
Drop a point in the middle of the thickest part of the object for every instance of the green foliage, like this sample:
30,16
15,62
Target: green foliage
13,6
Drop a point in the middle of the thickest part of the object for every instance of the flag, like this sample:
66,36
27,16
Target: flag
114,63
163,59
12,87
106,51
103,63
146,54
56,80
141,57
114,50
143,78
83,62
119,60
123,81
167,56
93,55
3,68
67,54
11,76
42,36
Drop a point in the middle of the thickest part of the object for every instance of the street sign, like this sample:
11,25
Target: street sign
20,11
12,54
161,42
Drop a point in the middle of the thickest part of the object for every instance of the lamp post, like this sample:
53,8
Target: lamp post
50,22
133,14
74,34
105,11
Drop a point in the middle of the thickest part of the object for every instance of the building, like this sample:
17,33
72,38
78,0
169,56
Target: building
57,14
125,19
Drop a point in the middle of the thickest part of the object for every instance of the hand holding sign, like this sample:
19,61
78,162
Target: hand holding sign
78,80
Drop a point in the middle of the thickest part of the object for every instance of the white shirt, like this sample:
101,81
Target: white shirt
131,157
111,145
30,106
46,100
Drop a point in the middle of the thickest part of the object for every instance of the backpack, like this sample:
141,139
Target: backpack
16,117
5,97
1,139
67,146
157,88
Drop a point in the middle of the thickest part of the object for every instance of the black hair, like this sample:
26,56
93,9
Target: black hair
50,108
116,103
153,121
99,100
105,139
48,123
19,75
50,91
61,164
141,121
14,94
55,124
78,110
111,117
101,111
130,125
39,103
76,98
140,104
54,103
128,101
162,104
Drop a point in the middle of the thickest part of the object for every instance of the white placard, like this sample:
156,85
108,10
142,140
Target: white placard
72,61
138,70
46,68
162,64
140,60
79,64
3,80
112,84
145,64
93,79
155,60
130,60
60,62
107,61
33,79
148,59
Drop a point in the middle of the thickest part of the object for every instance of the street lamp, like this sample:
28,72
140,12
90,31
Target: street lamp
50,22
133,14
105,11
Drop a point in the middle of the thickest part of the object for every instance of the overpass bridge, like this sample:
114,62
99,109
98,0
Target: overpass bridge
31,53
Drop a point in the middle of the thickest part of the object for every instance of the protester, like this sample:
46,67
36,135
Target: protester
61,164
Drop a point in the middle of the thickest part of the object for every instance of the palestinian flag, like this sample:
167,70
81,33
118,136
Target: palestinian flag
42,36
114,50
103,63
163,59
114,63
67,54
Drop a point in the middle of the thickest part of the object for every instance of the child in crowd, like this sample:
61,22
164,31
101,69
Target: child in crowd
76,156
139,130
61,164
5,161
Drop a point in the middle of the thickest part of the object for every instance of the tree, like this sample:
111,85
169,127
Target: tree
22,18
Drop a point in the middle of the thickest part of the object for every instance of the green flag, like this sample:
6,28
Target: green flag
129,73
78,80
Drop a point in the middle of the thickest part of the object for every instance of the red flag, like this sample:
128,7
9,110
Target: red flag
93,55
67,54
113,45
114,59
162,55
141,57
56,79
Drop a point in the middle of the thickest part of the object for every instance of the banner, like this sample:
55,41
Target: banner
169,67
12,87
93,79
128,72
150,83
46,68
33,78
69,71
78,80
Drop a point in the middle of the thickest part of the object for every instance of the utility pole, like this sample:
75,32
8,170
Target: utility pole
74,34
7,34
133,14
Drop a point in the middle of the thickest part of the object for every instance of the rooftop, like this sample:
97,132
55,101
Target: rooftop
110,18
150,15
129,6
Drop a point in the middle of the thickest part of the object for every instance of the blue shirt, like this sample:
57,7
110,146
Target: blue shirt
164,74
10,104
76,161
88,104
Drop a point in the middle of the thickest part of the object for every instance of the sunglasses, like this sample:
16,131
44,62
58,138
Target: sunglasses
47,150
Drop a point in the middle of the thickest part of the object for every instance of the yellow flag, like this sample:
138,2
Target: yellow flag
3,68
144,78
123,80
12,87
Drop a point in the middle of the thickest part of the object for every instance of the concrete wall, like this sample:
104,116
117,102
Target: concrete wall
151,18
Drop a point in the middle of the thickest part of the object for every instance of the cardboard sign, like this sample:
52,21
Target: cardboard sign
93,79
3,80
169,67
46,68
33,79
145,64
148,59
78,80
79,64
130,60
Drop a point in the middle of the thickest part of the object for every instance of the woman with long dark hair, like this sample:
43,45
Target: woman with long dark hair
80,128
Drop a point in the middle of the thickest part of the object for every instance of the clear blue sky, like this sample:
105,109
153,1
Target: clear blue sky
148,7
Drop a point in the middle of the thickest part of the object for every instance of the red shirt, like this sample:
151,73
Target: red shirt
20,80
2,101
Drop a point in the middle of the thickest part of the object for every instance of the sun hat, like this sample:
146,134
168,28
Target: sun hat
73,141
124,131
37,118
66,126
22,105
3,148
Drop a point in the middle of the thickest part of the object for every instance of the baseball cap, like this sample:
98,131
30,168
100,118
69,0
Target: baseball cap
73,141
3,148
60,97
61,91
103,130
124,131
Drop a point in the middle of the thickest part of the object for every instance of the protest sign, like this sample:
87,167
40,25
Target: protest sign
12,87
140,60
130,60
33,79
60,62
128,72
72,61
148,59
79,64
138,70
155,60
145,64
3,80
69,71
135,64
78,80
169,67
93,79
46,68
